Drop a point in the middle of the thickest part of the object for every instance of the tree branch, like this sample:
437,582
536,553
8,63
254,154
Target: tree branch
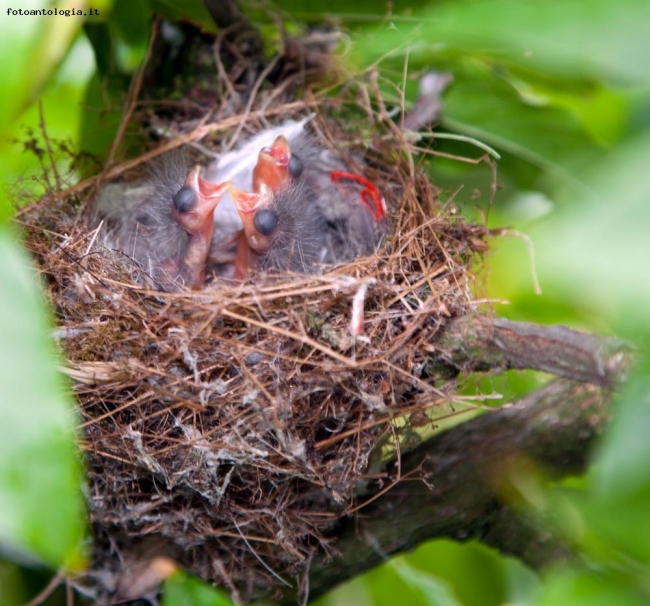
476,343
469,471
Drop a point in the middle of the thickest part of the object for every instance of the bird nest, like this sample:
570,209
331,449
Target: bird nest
232,427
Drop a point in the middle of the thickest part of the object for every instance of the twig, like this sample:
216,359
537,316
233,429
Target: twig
56,580
221,70
48,145
259,559
132,97
465,139
294,337
251,100
531,255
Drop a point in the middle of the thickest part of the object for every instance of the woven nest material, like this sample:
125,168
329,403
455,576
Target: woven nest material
232,427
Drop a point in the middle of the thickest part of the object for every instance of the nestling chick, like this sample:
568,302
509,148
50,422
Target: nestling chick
302,215
167,225
282,230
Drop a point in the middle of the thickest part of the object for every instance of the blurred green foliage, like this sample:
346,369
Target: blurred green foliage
560,89
440,573
41,504
183,590
41,510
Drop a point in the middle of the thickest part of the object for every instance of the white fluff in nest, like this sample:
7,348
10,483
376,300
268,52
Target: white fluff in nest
237,166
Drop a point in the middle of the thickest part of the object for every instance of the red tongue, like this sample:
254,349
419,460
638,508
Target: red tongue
370,195
279,151
279,155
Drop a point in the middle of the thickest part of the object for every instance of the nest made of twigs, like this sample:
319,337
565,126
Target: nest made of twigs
232,427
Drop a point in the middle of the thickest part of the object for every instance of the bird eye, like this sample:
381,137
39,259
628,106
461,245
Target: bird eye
296,166
184,200
266,221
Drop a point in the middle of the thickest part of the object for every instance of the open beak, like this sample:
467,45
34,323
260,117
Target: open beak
272,168
280,150
213,191
192,179
245,201
200,218
209,193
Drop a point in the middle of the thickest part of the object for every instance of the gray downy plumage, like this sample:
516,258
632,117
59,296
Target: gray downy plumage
299,234
140,221
347,228
350,229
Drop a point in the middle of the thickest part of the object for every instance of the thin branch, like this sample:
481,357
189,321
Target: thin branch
48,145
47,591
132,97
480,343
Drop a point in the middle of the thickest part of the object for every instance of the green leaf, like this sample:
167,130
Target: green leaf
41,505
589,589
37,45
12,590
622,526
398,583
103,106
99,36
132,19
596,38
184,590
362,11
17,36
434,591
622,469
615,517
601,112
495,580
604,236
182,10
490,109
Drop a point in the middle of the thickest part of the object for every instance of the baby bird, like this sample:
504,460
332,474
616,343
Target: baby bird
193,208
282,230
237,166
166,224
352,207
301,214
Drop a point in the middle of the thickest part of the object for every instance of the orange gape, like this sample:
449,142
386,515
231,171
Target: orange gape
301,213
194,206
272,168
270,176
248,204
